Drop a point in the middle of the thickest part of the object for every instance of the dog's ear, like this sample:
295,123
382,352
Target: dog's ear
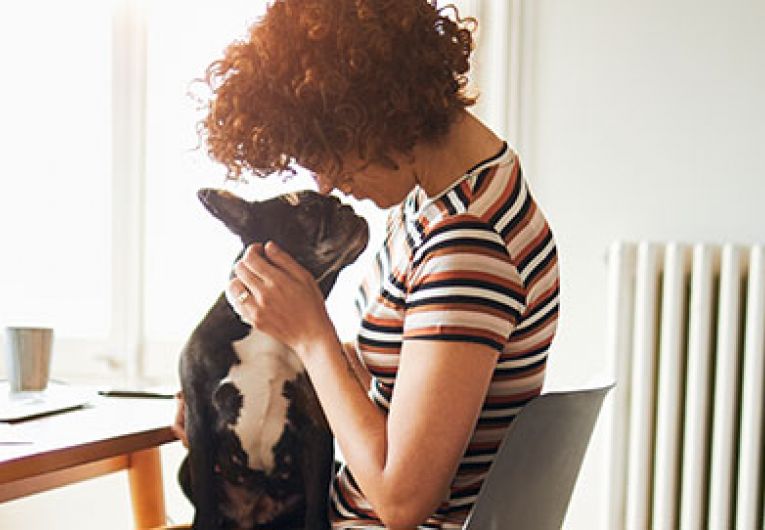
236,213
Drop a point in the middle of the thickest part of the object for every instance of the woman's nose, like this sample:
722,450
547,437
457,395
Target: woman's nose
346,188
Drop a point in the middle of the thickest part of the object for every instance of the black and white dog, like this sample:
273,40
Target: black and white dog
260,450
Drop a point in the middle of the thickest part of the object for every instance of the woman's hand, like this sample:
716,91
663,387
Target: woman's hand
179,424
284,299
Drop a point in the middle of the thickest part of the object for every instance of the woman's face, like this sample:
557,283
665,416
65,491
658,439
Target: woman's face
384,186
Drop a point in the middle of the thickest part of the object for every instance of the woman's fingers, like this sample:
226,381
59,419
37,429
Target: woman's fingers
285,262
266,264
179,425
264,267
253,266
237,292
249,276
252,287
273,292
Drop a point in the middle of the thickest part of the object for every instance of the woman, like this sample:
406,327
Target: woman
459,311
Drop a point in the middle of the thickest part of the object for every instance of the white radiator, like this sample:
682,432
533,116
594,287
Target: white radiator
687,333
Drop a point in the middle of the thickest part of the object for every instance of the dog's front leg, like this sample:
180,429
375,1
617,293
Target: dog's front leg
317,463
316,456
202,469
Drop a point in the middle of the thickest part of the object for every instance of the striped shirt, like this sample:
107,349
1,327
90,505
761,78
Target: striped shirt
477,263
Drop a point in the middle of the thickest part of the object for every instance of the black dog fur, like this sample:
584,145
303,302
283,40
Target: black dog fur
286,485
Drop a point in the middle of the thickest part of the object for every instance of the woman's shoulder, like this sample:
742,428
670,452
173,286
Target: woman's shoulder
482,194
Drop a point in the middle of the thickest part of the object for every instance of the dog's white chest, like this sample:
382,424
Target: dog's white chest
265,366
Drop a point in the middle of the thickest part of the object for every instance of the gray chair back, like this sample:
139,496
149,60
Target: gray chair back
531,480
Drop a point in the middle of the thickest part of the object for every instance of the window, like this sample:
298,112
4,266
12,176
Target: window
56,197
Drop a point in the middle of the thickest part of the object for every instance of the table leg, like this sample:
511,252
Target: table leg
146,488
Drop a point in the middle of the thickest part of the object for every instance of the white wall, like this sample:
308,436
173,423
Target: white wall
639,120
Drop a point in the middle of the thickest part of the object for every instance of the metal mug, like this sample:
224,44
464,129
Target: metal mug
27,357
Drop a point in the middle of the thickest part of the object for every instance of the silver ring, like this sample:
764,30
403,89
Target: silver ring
241,297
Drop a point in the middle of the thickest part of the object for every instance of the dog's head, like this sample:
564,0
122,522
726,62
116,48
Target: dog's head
318,231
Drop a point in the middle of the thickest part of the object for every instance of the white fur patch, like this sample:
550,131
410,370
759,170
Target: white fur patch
266,365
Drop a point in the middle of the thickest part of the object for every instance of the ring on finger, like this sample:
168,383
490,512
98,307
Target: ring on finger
244,295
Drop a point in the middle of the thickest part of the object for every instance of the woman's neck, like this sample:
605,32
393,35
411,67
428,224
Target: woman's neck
439,164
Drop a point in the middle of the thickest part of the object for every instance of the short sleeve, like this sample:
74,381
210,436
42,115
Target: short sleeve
463,286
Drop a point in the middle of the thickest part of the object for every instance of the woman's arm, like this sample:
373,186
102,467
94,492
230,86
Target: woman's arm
352,355
403,461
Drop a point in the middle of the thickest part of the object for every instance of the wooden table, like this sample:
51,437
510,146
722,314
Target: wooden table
111,434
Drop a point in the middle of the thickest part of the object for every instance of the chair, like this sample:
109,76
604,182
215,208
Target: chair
531,480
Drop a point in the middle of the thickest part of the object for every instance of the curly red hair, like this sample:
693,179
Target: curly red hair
317,80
